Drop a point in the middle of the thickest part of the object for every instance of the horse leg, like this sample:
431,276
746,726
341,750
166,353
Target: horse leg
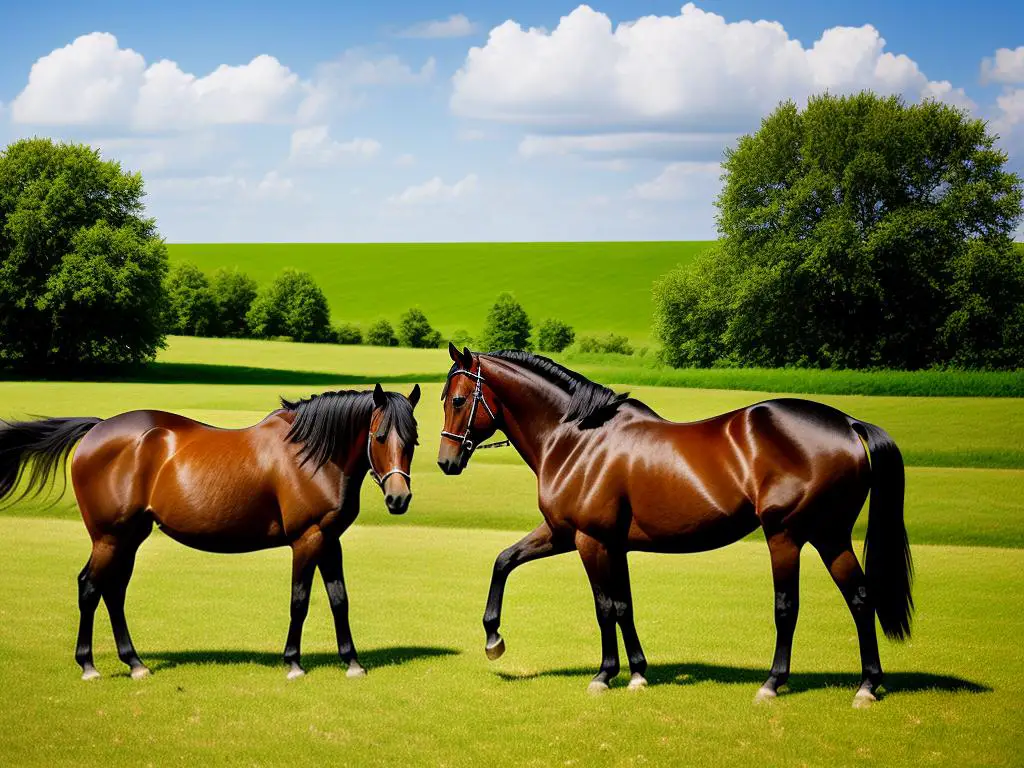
539,543
785,554
115,589
623,601
846,572
88,601
598,562
304,557
334,581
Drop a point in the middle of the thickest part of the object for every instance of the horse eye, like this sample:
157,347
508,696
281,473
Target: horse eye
458,402
381,437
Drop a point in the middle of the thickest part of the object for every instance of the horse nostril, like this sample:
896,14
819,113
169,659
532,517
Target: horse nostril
389,500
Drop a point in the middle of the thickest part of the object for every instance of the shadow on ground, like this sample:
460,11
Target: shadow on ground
373,658
690,674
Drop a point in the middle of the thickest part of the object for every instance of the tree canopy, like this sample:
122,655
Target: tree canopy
859,232
81,266
293,305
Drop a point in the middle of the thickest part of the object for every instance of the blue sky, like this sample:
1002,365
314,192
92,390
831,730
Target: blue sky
431,121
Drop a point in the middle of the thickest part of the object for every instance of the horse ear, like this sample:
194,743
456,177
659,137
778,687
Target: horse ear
378,396
467,360
453,351
414,396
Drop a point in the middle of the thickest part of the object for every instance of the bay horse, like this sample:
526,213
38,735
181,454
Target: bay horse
613,476
293,480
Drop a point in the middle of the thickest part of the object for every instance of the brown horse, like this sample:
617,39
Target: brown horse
221,490
613,476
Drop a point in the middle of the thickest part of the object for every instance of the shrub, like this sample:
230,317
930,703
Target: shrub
190,310
611,343
348,333
461,338
293,305
233,292
414,331
507,326
554,336
81,267
381,334
859,232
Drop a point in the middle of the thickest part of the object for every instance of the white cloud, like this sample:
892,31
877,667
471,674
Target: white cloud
456,25
680,181
634,144
691,72
1007,66
93,81
217,188
314,147
1008,121
340,83
435,190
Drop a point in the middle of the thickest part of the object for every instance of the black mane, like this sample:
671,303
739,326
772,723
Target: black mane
590,403
327,423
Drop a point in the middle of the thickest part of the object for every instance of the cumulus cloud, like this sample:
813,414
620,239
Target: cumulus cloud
636,144
225,187
93,81
1007,66
314,146
456,25
680,181
691,72
435,190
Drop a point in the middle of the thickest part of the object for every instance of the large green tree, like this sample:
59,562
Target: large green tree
507,326
858,232
191,309
81,266
233,292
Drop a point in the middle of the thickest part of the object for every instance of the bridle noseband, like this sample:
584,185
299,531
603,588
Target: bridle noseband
478,398
381,479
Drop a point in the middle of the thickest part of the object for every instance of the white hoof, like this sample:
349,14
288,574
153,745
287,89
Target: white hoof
864,699
91,674
356,670
637,682
596,687
764,693
295,672
138,673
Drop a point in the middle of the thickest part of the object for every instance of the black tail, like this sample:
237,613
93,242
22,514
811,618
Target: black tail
43,445
887,562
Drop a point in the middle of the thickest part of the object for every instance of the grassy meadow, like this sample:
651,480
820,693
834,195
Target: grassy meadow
595,287
212,626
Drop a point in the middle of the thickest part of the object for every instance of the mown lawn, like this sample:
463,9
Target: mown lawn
212,627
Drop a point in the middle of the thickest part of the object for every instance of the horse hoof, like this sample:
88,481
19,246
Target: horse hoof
295,672
764,693
90,674
864,699
139,672
596,687
637,682
355,670
495,651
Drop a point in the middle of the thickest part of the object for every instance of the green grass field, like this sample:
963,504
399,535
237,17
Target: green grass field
595,287
212,627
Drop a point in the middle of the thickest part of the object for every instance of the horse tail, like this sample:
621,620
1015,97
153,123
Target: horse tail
42,445
887,562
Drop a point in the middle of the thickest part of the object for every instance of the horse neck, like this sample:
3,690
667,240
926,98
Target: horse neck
531,407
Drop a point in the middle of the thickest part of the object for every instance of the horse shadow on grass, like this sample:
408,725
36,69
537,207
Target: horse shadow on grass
693,673
373,658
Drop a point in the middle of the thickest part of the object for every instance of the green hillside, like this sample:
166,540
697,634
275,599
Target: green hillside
595,287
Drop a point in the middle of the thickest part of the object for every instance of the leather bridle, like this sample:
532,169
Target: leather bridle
466,443
381,479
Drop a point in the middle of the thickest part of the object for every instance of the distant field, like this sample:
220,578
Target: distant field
595,287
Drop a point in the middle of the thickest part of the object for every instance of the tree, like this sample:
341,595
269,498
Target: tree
860,232
81,267
381,334
554,336
507,326
348,333
293,305
233,292
414,331
191,309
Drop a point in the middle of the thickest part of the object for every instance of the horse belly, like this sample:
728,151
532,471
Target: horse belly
689,522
